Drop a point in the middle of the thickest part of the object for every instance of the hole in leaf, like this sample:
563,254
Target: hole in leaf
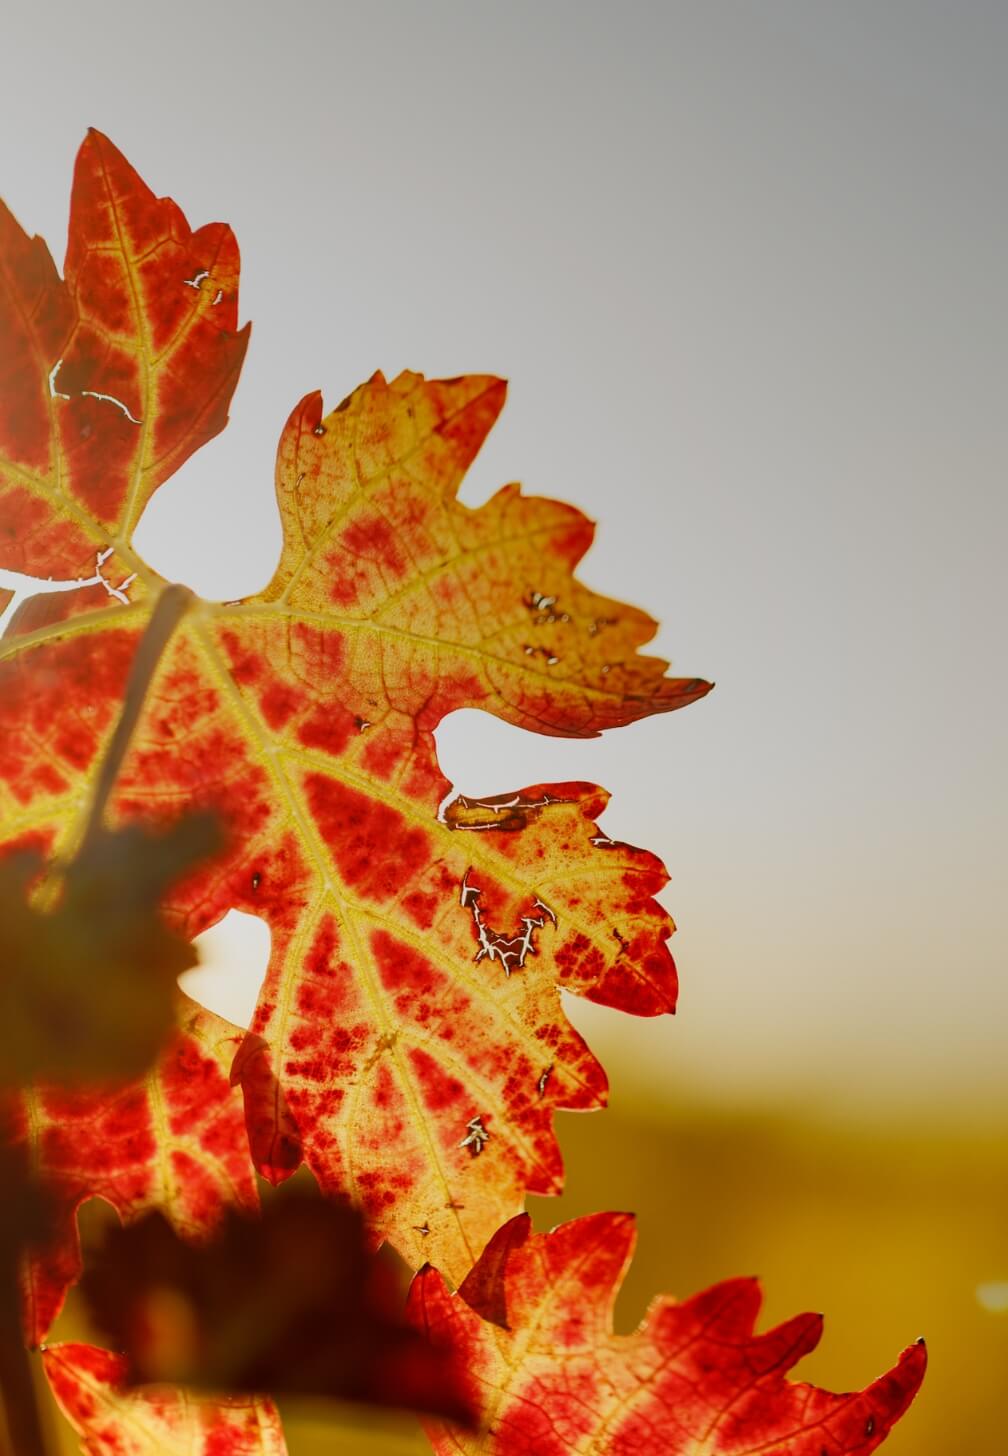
233,955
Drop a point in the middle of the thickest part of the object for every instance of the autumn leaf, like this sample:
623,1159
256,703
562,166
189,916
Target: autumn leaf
90,1388
111,376
409,1042
533,1319
172,1141
295,1303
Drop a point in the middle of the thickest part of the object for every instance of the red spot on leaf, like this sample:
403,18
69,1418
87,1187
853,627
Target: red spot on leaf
373,846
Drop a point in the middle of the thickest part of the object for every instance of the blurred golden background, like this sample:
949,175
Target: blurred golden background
891,1231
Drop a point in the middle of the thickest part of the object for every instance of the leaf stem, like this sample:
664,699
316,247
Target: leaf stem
26,1434
171,607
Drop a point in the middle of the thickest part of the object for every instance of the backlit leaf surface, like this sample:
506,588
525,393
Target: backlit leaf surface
89,1386
173,1141
409,1041
113,375
534,1322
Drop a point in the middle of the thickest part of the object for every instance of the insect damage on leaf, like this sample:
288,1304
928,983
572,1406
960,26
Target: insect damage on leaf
533,1323
295,1303
392,1012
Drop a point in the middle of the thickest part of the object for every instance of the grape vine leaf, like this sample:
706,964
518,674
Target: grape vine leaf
90,1388
322,1316
113,375
173,1140
533,1320
409,1042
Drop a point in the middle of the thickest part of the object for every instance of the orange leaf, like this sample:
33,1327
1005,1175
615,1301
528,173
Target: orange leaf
534,1321
173,1141
89,1386
409,1042
113,376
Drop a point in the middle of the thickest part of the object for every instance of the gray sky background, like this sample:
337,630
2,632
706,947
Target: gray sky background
744,267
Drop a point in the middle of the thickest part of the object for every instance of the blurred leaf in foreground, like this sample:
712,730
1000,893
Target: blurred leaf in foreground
87,985
294,1304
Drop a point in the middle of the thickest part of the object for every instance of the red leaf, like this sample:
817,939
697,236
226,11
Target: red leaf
89,1386
110,379
534,1318
409,1042
172,1141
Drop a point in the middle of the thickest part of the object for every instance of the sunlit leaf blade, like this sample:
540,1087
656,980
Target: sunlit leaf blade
534,1322
295,1302
89,1386
112,376
457,606
409,1041
172,1141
